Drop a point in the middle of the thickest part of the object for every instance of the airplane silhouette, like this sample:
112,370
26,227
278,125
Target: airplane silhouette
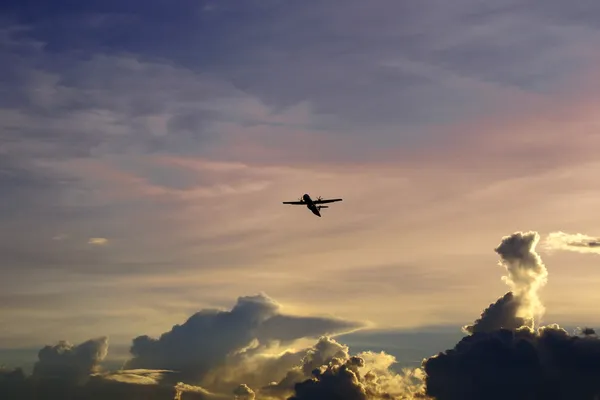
311,204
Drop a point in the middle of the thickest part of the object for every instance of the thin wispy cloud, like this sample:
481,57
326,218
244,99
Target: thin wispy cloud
578,242
98,241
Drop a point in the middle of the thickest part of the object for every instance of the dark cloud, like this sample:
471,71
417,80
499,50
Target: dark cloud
501,314
338,380
209,337
13,383
517,364
67,362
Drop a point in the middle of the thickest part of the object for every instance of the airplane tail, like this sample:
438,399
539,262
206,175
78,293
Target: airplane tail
323,207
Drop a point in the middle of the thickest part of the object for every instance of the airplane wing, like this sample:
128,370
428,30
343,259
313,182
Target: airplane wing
294,202
326,201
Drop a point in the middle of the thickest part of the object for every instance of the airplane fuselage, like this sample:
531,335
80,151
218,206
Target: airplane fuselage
314,206
311,205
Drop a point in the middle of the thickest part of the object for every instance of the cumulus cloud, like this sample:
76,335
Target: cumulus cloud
501,314
547,363
328,370
322,353
238,347
237,354
235,351
65,361
501,357
210,337
256,369
68,371
360,377
577,242
526,275
505,357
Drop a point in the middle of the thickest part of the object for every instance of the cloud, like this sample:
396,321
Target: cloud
114,385
243,392
504,356
501,314
208,338
98,241
578,242
223,351
88,115
524,363
360,377
254,369
13,383
86,111
527,274
218,355
127,97
322,353
65,361
135,376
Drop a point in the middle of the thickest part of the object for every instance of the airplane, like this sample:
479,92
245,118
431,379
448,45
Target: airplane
312,204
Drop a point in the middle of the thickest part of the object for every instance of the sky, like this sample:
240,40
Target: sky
146,149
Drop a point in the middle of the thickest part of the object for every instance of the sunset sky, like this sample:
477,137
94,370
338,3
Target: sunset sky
146,148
